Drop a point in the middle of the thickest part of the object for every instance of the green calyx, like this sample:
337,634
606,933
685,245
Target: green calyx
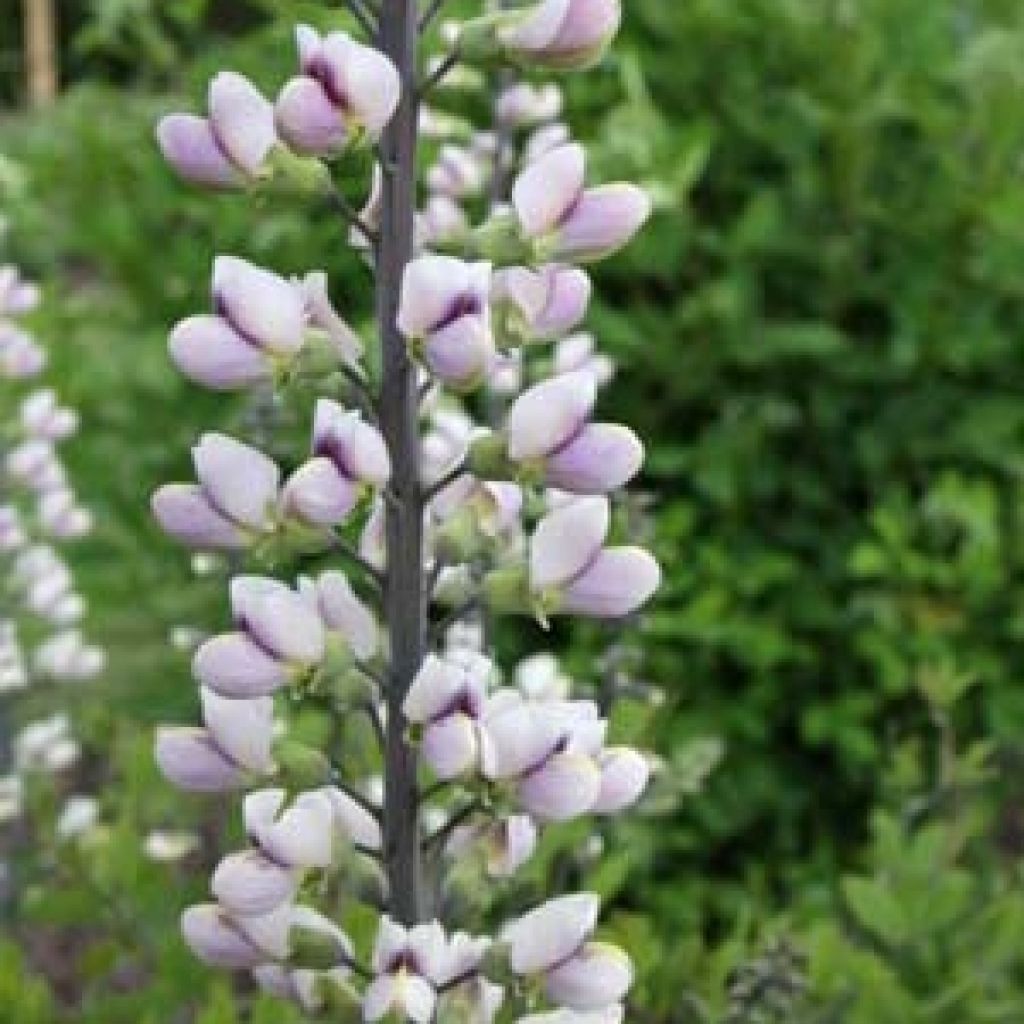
508,590
488,458
300,767
289,173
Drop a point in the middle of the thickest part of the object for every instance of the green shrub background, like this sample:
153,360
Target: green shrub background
820,338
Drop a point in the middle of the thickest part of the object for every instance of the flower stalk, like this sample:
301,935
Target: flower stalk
445,521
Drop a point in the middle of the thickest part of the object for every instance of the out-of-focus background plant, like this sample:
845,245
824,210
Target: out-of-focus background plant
823,332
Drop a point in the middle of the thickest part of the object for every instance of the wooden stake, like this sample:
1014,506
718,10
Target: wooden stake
40,51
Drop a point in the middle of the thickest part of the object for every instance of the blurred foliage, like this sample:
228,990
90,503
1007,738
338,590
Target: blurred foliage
820,335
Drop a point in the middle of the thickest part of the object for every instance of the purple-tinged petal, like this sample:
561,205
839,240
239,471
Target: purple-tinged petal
450,745
599,975
548,415
344,613
567,541
190,759
601,458
184,513
242,729
604,220
265,309
318,494
189,145
549,188
239,481
538,26
233,666
210,353
565,787
551,933
214,938
242,120
249,883
307,120
624,775
461,353
616,583
370,82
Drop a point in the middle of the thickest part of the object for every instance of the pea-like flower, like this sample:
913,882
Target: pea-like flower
445,308
232,505
286,842
349,459
20,357
406,963
258,324
548,432
44,418
526,103
222,939
506,844
230,146
17,296
579,352
554,942
279,638
567,221
446,700
231,748
458,173
413,965
345,90
572,572
561,34
346,619
546,751
541,304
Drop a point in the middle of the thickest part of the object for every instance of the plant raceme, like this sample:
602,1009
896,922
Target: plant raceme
40,608
460,477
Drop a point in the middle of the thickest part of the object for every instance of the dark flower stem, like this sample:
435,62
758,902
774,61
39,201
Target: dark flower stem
404,602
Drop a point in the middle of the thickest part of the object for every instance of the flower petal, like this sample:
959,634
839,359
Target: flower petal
242,120
616,583
551,933
548,189
566,541
548,415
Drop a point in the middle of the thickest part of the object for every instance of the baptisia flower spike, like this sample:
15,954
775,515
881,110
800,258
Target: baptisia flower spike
569,222
228,148
438,510
232,504
349,459
444,312
345,89
548,436
259,323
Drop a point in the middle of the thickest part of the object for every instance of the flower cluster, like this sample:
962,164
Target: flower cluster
41,609
464,476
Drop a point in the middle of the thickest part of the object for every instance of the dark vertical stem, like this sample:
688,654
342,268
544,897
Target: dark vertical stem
405,602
